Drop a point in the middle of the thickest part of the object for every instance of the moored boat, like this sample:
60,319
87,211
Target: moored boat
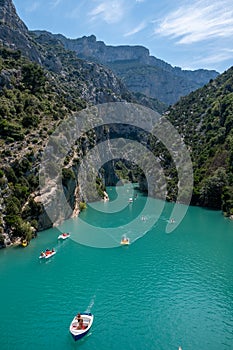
24,243
125,240
47,254
80,327
64,236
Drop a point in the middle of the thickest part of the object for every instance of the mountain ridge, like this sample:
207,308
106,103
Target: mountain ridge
160,79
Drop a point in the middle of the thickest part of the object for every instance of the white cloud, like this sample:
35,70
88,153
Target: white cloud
78,12
137,29
216,57
33,6
108,11
55,3
199,21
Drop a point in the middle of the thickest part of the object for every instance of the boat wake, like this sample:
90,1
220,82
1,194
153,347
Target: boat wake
91,304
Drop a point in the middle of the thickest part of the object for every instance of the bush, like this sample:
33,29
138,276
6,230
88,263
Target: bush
82,206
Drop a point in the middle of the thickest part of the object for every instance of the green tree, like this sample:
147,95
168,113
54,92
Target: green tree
33,77
212,189
23,229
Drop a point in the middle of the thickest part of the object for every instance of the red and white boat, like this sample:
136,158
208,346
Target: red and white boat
63,236
47,254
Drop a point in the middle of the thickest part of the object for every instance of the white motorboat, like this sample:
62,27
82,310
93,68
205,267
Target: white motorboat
80,327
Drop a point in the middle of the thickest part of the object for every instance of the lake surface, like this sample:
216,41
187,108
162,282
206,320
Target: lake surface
160,292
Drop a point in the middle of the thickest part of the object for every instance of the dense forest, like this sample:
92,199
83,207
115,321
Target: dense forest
205,119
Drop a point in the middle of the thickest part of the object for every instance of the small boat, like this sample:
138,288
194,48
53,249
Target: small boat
79,329
130,200
47,254
24,243
125,240
63,236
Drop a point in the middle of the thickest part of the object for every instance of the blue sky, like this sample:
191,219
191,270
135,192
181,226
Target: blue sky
185,33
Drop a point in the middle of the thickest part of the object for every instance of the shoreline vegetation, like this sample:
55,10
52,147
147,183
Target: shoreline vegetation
17,241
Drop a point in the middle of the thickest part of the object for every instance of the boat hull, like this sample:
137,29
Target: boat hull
63,237
78,334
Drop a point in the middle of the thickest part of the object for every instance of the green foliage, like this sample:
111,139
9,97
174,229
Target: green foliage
12,205
23,229
212,189
10,174
205,120
11,130
30,121
33,77
10,55
82,206
100,187
32,210
67,174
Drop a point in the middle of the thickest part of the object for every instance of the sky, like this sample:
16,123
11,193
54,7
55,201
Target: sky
185,33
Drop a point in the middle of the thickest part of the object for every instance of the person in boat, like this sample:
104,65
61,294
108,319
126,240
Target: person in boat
78,317
42,254
81,325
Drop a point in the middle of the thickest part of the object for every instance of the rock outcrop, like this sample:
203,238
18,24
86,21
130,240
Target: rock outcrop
14,32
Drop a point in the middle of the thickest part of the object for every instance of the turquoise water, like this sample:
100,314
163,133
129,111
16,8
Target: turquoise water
161,292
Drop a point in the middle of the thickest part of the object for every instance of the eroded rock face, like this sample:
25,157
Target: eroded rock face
88,46
14,32
9,16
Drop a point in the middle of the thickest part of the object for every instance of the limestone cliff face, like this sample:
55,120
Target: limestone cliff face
54,212
89,47
139,71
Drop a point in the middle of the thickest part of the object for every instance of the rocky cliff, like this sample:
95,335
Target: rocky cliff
139,71
41,84
14,33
